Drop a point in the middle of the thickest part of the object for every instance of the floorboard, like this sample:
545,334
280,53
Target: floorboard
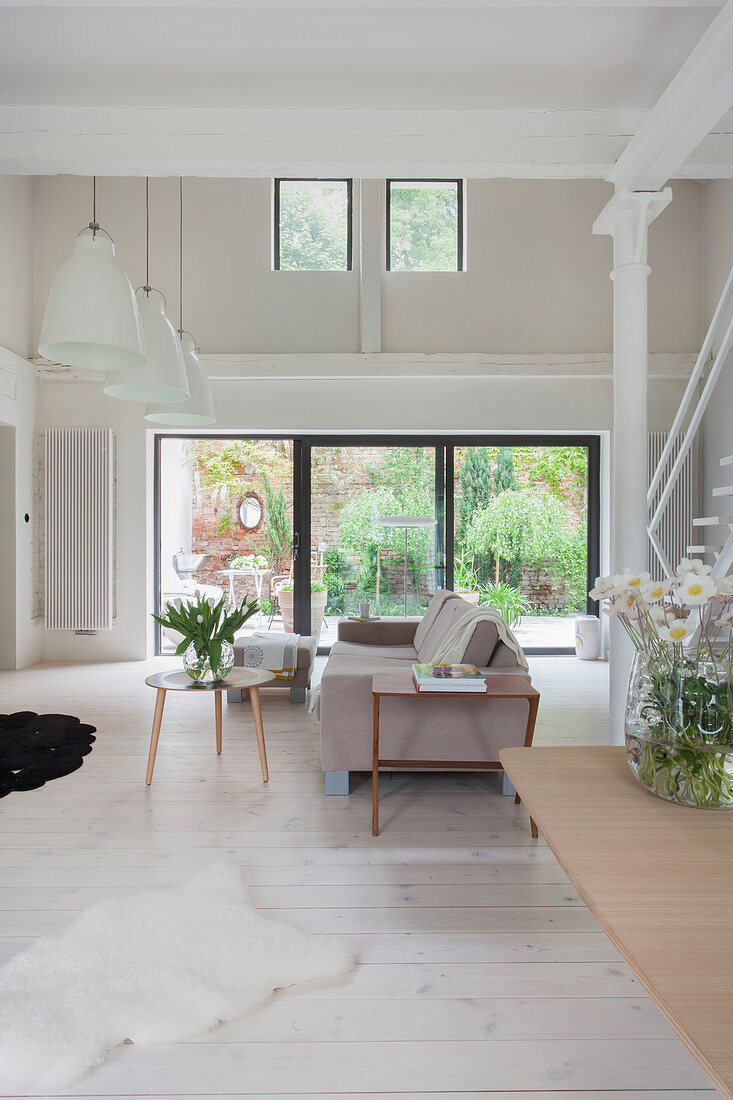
482,973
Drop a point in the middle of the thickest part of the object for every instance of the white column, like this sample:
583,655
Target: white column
627,218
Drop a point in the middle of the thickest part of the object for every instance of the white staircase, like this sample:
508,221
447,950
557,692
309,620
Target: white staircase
719,550
719,555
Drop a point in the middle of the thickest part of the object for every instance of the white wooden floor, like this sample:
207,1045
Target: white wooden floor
482,973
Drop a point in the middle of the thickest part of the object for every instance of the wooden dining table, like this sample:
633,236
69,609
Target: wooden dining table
657,876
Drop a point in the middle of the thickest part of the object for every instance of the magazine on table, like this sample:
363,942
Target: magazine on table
448,678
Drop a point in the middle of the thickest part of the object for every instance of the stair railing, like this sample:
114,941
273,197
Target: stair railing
688,398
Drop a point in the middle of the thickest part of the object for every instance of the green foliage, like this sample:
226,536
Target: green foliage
563,471
289,586
506,598
334,580
313,227
278,536
530,526
465,576
475,485
220,464
504,475
423,229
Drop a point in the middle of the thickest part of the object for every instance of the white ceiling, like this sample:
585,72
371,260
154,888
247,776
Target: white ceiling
250,89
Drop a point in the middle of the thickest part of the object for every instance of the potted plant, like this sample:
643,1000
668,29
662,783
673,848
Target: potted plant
679,706
319,596
248,561
207,630
465,580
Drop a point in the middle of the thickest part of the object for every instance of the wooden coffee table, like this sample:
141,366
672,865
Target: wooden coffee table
247,679
402,684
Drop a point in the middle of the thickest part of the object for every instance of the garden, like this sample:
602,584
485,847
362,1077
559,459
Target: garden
520,528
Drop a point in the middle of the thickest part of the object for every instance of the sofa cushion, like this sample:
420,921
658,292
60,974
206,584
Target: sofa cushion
366,652
428,620
480,646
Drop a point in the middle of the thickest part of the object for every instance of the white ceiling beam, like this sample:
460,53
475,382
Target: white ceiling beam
356,4
541,144
698,97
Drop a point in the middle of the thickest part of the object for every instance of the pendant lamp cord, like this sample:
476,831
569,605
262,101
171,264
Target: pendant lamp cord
147,237
180,255
94,226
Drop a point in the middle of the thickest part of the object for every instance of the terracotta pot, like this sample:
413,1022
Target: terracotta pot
318,606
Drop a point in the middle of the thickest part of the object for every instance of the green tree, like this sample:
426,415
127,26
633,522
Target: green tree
475,489
313,227
277,525
504,473
423,228
530,525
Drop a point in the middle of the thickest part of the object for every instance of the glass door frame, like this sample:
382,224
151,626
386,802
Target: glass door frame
297,513
444,447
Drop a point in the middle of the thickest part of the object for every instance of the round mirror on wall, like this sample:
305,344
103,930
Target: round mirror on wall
250,512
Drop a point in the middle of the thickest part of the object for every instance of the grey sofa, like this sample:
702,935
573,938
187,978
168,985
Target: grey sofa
446,729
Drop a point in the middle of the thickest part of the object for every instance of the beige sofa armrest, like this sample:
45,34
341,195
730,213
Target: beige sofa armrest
380,632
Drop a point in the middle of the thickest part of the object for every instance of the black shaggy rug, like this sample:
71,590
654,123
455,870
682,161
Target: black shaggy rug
37,747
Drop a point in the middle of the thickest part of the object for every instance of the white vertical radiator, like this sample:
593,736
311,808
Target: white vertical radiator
79,528
675,531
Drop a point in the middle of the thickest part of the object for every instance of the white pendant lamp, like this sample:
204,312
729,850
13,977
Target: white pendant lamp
163,378
91,318
198,410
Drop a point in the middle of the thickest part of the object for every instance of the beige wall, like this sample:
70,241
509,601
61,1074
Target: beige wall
536,279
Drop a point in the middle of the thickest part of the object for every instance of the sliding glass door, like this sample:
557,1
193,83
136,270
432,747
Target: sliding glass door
323,527
525,533
373,529
224,518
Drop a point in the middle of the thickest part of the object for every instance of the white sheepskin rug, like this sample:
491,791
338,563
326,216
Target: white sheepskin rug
152,966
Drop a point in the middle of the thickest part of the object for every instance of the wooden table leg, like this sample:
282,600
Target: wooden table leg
254,697
534,703
533,827
375,770
217,715
157,720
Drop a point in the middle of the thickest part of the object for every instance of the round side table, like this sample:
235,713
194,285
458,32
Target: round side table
247,679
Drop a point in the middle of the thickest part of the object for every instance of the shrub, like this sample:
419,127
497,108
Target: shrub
508,599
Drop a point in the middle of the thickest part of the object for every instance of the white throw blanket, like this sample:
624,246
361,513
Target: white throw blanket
272,651
456,640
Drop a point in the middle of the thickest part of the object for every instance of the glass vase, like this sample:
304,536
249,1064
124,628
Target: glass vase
679,730
197,663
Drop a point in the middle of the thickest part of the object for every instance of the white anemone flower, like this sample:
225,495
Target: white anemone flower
692,565
653,591
658,613
624,604
675,632
630,582
724,586
604,589
696,589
